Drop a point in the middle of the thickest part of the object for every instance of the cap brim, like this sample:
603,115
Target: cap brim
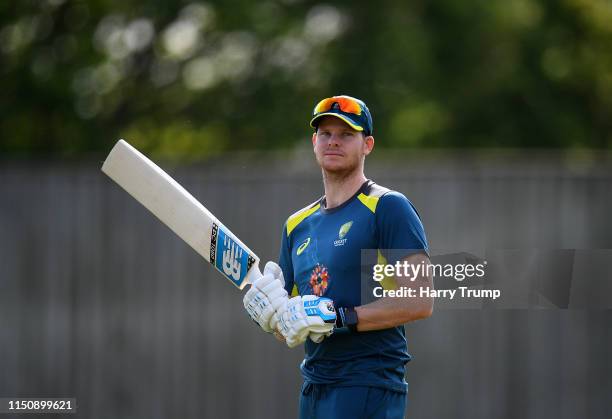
350,122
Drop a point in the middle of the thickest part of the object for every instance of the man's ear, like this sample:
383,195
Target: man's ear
368,144
314,139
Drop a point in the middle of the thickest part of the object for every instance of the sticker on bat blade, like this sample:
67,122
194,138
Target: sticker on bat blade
231,259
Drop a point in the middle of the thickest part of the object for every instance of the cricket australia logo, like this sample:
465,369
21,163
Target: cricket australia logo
342,234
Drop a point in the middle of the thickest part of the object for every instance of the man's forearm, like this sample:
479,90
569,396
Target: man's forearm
390,312
393,311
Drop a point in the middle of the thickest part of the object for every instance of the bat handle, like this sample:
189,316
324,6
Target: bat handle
253,275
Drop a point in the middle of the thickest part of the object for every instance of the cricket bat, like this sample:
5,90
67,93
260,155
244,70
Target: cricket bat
182,213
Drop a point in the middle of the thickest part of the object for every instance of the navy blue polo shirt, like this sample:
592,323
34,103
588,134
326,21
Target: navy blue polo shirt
321,255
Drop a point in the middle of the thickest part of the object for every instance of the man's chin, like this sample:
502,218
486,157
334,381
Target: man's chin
338,169
337,165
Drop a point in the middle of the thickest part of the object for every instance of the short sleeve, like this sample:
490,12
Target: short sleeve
399,227
284,261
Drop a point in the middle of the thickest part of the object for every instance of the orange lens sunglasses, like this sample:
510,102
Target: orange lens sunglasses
345,104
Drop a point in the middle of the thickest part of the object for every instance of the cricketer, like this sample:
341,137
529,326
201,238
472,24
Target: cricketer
355,353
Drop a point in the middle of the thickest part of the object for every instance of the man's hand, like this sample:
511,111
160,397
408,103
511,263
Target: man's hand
266,296
300,316
318,337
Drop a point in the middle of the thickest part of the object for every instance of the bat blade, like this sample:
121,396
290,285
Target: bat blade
182,213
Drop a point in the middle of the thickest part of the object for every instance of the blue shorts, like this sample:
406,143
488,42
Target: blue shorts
321,401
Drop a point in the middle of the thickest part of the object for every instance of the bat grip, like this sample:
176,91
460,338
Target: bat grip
253,275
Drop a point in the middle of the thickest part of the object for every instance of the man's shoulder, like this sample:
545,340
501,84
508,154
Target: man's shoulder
380,198
372,194
297,217
375,190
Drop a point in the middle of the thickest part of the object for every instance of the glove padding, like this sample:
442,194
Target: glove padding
266,295
318,337
300,316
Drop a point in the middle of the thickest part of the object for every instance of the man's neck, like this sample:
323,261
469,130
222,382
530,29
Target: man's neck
338,189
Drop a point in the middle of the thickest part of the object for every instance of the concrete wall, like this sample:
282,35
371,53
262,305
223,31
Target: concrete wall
101,302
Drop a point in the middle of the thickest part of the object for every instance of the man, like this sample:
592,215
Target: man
355,352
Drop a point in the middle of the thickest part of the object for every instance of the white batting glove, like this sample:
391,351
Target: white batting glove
318,337
266,295
300,316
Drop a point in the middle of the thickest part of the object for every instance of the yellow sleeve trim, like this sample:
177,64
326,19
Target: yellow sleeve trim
294,291
369,201
296,219
388,282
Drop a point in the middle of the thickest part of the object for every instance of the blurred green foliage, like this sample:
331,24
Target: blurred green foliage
191,79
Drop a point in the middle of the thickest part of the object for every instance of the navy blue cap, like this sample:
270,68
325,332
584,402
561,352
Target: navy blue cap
360,119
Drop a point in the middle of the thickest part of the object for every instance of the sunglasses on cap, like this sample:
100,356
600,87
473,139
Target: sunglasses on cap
349,109
344,103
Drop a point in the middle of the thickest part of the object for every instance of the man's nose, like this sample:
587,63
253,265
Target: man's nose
334,139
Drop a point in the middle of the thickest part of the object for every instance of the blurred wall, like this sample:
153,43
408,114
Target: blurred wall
101,302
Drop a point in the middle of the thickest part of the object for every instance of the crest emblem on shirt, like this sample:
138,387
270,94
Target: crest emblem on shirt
344,229
319,280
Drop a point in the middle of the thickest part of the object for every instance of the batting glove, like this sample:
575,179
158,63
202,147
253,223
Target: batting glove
300,316
266,295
